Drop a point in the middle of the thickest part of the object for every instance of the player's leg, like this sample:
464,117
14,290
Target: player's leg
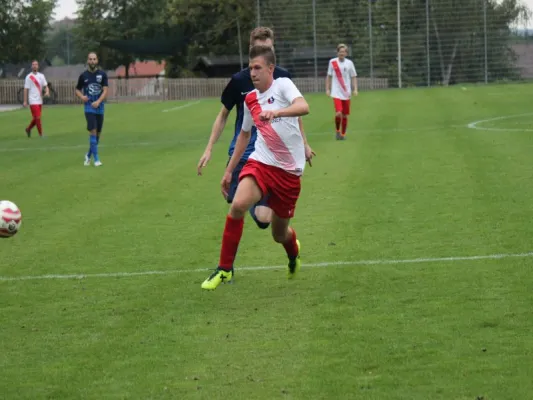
283,233
261,213
285,191
38,123
91,127
345,114
248,193
99,125
338,117
32,122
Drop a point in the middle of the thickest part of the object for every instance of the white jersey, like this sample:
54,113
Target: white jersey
341,73
279,142
35,83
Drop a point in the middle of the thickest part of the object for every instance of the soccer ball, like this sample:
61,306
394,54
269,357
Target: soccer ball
10,219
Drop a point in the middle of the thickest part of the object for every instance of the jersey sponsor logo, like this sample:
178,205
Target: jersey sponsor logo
94,89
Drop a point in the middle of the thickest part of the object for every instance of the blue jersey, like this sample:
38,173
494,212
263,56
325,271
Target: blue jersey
92,84
234,94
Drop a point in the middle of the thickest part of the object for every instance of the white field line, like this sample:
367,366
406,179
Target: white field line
181,107
474,125
270,267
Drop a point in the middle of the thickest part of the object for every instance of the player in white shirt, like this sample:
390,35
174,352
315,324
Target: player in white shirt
341,82
274,168
34,84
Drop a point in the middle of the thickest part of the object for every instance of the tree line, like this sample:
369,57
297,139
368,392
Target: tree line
456,30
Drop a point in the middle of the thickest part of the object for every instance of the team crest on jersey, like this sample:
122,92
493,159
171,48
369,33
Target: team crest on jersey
99,78
271,100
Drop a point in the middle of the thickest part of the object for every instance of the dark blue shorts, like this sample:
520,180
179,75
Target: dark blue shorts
94,121
235,182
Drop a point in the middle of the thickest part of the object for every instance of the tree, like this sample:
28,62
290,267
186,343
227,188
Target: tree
23,25
101,20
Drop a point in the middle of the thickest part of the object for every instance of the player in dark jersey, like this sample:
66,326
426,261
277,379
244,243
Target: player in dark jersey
233,96
92,90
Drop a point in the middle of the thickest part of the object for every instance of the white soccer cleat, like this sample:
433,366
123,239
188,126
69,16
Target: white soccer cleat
87,161
97,163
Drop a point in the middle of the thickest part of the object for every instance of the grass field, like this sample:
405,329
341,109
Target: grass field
416,249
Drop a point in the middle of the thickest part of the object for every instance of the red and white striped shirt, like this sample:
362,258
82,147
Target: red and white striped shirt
341,73
279,142
35,83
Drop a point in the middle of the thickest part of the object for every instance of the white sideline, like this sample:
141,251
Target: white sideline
270,267
181,107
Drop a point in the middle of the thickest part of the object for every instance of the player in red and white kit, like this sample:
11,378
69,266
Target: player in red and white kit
34,84
341,82
274,168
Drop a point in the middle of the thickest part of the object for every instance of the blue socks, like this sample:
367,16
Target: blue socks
93,149
90,152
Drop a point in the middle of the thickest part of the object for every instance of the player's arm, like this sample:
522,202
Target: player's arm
228,99
298,108
79,87
26,91
329,77
354,81
46,89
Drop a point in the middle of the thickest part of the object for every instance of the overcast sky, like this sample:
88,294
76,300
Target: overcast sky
67,8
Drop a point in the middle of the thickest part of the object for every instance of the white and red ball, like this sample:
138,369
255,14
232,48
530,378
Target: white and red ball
10,219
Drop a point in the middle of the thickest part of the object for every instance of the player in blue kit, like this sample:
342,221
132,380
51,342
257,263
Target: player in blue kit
233,96
92,90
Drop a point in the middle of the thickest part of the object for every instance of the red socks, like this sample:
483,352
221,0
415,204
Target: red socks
230,242
344,125
39,126
291,247
338,123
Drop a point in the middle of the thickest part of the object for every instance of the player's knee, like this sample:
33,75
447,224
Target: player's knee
238,208
344,116
338,114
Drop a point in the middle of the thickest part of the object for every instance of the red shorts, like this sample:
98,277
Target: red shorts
281,187
342,106
36,110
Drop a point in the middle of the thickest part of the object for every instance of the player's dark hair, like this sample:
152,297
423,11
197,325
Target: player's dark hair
263,51
261,33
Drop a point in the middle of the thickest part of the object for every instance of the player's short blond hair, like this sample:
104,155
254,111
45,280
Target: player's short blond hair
266,52
341,46
261,33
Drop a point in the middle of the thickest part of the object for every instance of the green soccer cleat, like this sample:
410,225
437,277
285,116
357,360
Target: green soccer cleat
294,264
216,278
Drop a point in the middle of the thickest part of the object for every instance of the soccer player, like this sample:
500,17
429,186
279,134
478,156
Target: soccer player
233,95
341,80
34,84
92,90
274,167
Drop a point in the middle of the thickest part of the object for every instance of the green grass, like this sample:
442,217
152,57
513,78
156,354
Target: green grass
412,181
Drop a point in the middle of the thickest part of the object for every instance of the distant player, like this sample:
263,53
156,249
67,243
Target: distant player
92,90
274,167
340,82
233,95
34,84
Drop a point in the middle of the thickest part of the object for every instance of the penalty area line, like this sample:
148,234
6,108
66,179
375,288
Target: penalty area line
270,267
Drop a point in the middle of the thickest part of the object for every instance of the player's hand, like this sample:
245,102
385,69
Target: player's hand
25,104
267,115
203,161
225,184
328,93
355,92
85,99
95,104
309,153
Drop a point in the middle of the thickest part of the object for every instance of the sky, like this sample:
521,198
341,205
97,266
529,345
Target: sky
67,8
